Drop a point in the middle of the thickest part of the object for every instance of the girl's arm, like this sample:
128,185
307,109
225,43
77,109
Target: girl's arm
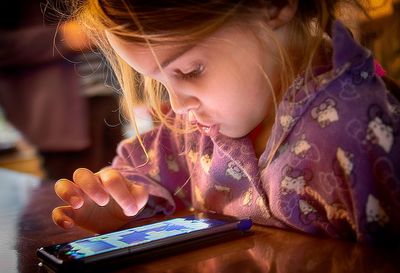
162,171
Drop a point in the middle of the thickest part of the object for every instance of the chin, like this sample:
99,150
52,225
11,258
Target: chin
233,133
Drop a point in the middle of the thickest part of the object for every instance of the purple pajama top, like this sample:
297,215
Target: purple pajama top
331,166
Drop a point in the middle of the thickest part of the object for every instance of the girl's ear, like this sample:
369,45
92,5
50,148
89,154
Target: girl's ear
281,16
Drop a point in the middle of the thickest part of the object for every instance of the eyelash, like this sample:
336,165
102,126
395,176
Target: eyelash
192,74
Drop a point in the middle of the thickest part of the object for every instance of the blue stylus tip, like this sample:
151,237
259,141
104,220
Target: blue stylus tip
245,224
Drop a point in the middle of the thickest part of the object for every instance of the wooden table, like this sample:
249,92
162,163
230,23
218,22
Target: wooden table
26,204
21,157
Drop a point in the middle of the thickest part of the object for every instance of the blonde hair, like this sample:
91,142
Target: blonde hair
161,22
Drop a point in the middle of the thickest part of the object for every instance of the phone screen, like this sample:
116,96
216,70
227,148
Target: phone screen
135,238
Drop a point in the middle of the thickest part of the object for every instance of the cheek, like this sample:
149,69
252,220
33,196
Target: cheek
237,89
238,95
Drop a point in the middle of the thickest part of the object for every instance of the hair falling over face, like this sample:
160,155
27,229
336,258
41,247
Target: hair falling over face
171,22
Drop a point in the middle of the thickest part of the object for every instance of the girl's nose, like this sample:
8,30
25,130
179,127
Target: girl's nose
182,103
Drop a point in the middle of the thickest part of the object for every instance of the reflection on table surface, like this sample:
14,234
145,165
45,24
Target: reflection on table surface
26,204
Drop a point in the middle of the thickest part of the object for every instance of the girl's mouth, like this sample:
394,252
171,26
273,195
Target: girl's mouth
204,129
207,130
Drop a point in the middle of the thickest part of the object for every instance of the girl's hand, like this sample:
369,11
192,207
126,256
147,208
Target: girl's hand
99,202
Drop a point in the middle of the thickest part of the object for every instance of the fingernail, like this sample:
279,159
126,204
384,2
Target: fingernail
75,202
101,199
130,210
68,224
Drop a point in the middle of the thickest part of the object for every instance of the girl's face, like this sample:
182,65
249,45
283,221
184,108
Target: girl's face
219,82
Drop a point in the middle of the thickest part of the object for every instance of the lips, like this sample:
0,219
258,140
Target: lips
203,128
207,130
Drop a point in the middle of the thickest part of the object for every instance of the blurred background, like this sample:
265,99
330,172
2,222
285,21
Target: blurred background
59,102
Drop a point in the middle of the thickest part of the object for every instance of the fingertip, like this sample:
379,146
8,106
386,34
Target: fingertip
81,171
59,183
67,224
91,185
76,202
131,210
60,218
101,199
108,173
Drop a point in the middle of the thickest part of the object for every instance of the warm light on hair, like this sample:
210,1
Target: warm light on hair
161,22
380,8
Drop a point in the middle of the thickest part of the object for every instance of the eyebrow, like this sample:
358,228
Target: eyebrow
173,57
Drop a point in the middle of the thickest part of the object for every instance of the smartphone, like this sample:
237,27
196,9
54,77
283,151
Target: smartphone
143,242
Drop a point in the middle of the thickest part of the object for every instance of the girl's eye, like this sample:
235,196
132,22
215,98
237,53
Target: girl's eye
195,73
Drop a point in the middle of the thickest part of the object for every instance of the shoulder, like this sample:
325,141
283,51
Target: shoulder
350,94
346,110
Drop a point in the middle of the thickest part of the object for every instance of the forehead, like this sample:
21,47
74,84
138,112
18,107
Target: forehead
141,57
144,59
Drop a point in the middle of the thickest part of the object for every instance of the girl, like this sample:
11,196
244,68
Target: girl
278,114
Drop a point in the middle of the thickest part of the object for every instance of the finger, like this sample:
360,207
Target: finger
140,193
63,217
69,192
117,187
91,185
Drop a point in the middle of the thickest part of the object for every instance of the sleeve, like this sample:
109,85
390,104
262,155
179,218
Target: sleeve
162,172
353,164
